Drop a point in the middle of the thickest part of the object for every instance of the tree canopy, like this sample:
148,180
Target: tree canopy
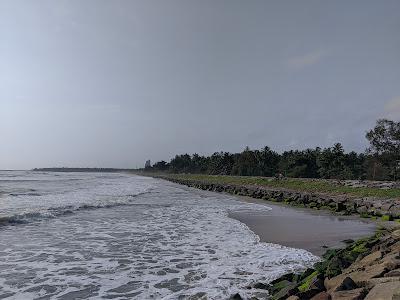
379,162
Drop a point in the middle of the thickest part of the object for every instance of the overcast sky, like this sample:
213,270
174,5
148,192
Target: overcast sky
113,83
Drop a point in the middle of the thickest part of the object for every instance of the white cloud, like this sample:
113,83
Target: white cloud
305,60
392,109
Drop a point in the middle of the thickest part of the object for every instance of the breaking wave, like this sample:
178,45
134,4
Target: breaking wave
27,199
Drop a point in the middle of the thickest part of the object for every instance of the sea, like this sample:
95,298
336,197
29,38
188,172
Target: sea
123,236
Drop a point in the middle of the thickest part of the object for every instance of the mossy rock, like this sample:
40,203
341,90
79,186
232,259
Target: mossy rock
325,207
334,267
365,215
306,282
287,291
305,274
330,253
277,286
335,260
386,218
289,277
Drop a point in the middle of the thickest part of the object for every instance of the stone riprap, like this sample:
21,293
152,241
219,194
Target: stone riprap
343,204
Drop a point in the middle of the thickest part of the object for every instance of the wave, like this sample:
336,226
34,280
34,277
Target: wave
54,212
25,194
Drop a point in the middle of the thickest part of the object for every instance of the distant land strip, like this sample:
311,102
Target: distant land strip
62,169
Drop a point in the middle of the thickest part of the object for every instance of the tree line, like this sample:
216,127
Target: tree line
381,161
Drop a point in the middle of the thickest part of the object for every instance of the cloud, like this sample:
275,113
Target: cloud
392,108
305,60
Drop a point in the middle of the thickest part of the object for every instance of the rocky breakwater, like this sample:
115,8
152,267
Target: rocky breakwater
387,209
366,269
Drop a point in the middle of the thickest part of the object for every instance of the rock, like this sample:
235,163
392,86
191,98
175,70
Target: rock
348,241
340,283
260,285
346,284
375,281
289,290
371,258
236,297
322,296
308,294
334,282
393,273
277,285
307,273
385,291
395,246
356,294
364,262
288,277
335,266
317,284
396,234
362,277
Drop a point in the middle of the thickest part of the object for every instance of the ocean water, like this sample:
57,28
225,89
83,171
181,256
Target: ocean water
120,236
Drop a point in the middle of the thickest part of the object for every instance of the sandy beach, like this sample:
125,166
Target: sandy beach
302,227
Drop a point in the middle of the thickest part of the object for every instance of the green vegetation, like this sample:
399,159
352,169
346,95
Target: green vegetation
380,162
311,282
306,185
305,284
386,218
335,260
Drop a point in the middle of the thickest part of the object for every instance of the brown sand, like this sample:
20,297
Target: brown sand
302,228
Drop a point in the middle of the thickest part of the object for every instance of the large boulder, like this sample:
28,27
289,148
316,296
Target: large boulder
376,281
339,283
322,296
332,283
385,291
393,273
361,278
289,290
308,294
346,284
356,294
260,286
370,259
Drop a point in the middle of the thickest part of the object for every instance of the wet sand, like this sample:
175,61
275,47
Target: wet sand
303,228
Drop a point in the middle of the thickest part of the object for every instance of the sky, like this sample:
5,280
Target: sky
100,83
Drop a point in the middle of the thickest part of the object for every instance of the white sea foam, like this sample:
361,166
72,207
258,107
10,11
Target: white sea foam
30,196
170,242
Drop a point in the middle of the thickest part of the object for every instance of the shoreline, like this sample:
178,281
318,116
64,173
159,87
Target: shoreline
368,268
303,228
